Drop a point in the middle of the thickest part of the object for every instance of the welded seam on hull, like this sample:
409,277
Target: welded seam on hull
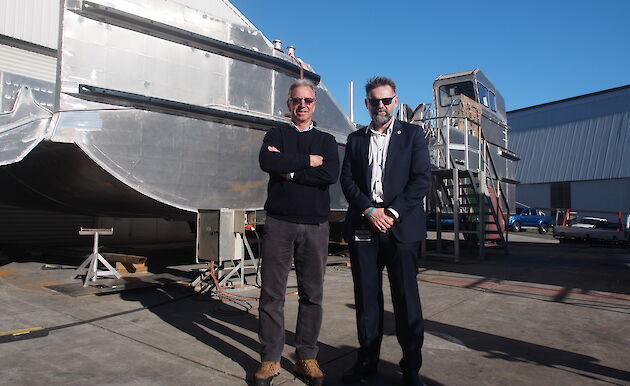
177,35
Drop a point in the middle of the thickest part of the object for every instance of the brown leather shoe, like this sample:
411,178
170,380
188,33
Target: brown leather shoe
266,372
308,371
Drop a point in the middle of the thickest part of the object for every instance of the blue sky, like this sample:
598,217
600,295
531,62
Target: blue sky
534,52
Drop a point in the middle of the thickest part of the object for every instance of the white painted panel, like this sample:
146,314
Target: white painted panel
34,21
27,63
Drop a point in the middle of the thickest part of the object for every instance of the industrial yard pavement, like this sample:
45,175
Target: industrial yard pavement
544,314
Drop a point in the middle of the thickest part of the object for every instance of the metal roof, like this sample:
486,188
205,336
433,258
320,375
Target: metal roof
575,139
568,99
456,74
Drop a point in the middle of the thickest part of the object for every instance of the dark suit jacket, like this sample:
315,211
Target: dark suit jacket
406,180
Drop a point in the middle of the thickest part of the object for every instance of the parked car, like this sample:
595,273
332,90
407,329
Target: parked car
530,218
589,222
592,229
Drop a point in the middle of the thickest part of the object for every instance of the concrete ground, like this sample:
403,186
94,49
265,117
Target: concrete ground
545,314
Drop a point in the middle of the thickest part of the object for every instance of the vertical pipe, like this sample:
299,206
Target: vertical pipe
506,220
466,142
95,248
241,242
92,273
351,100
456,212
448,143
482,225
479,149
438,217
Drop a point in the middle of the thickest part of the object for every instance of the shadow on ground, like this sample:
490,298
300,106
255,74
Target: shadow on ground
512,350
571,267
209,321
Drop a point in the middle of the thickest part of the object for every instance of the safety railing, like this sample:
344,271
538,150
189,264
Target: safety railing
442,132
458,142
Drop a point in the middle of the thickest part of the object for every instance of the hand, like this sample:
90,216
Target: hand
316,160
390,212
379,221
273,149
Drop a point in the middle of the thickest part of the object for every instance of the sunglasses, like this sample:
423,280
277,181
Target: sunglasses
386,101
298,101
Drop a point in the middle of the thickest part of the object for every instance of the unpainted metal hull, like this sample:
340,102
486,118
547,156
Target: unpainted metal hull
147,123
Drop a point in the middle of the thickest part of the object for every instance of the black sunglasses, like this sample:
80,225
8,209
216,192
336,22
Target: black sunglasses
298,101
386,101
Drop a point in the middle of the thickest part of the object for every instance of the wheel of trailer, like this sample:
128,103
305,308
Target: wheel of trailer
543,228
516,226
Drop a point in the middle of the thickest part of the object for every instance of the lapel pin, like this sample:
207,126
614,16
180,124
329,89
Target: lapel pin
399,132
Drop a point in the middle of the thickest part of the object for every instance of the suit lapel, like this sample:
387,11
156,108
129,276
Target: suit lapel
393,150
364,145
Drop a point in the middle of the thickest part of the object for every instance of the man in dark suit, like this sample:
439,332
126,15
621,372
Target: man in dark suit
386,173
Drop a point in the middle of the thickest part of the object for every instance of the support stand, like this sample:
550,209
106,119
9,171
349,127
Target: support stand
204,282
89,268
238,268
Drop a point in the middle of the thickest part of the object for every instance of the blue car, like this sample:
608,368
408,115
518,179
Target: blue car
530,218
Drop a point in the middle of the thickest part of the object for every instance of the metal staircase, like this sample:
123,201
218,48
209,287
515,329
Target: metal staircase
467,202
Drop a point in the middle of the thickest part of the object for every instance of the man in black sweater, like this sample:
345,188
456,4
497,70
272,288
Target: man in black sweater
302,163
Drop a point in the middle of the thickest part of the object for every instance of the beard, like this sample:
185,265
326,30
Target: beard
379,120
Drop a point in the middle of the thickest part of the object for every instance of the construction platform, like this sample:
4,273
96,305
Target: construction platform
544,314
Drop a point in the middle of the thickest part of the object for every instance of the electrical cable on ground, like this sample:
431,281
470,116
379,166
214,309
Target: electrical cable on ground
225,297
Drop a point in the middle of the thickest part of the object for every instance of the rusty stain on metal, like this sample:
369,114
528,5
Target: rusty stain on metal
7,271
246,186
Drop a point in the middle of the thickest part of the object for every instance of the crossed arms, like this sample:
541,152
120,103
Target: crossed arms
305,169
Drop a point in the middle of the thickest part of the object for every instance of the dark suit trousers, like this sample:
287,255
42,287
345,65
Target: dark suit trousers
306,246
368,258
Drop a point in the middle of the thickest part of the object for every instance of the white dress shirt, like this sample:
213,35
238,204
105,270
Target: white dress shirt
377,158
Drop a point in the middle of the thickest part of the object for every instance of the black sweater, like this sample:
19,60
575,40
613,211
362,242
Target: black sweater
305,198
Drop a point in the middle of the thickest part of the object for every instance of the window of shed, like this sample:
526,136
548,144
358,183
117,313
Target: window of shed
447,92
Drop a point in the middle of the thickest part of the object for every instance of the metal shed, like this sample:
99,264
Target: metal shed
575,152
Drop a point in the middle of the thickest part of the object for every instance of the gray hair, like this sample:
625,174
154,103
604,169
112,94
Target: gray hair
379,81
301,83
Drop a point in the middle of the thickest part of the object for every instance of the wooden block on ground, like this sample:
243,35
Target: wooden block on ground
126,269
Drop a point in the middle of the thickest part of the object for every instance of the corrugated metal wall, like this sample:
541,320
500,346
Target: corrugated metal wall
27,63
34,21
582,138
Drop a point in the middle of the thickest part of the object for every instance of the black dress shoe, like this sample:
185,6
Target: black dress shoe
359,371
412,379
